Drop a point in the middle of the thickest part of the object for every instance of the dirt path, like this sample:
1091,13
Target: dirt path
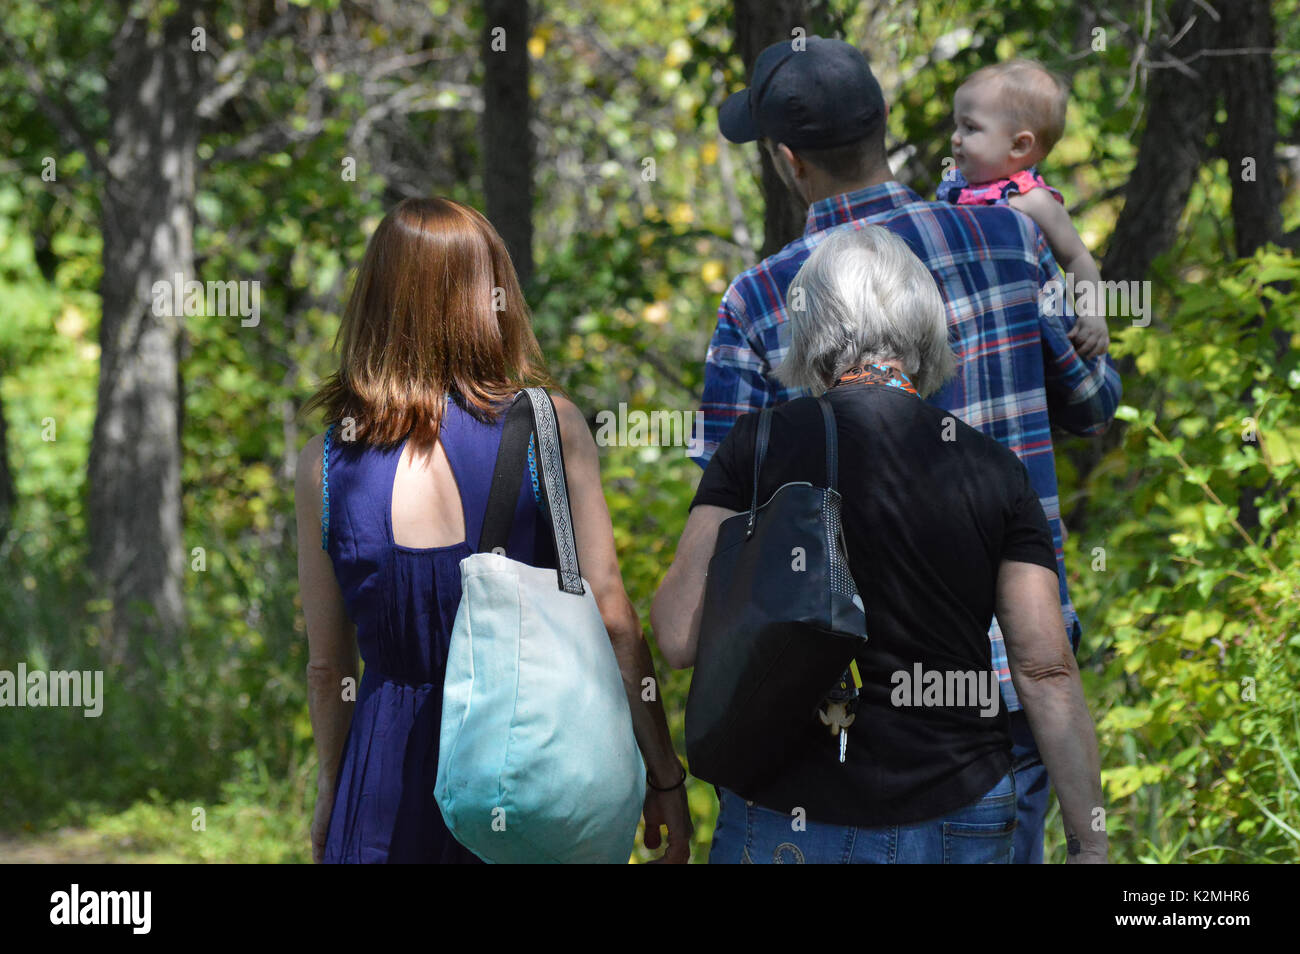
68,846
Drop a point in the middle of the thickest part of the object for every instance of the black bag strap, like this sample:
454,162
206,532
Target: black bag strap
760,451
832,444
532,415
762,437
506,476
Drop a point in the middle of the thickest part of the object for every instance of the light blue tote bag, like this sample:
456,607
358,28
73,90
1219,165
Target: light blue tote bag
538,762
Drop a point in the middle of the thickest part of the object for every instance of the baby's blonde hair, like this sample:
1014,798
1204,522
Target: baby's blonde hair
1034,98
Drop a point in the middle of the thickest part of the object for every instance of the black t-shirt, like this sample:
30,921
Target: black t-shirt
931,507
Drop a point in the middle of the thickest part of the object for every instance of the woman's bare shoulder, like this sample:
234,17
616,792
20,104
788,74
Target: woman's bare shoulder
309,461
569,415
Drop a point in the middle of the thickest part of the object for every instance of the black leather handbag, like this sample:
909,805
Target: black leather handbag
781,621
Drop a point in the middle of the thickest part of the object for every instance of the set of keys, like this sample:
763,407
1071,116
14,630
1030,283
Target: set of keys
840,707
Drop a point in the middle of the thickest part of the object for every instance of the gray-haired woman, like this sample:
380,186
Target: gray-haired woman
943,529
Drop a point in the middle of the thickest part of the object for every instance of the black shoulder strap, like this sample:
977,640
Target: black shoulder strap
760,451
832,444
506,476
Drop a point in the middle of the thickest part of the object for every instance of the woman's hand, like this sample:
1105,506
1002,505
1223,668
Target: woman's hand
669,809
320,822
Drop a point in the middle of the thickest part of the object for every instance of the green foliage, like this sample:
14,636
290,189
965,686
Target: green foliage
258,818
1192,622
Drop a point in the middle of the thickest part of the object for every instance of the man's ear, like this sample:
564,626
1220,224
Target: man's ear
797,166
1023,143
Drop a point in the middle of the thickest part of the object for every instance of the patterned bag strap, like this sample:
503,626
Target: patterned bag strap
325,489
550,454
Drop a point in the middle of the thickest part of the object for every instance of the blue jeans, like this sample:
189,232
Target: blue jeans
1031,792
980,833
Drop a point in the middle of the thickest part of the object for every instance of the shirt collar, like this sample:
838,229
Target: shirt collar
858,204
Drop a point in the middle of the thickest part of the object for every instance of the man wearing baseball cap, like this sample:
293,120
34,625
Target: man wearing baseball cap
817,96
819,112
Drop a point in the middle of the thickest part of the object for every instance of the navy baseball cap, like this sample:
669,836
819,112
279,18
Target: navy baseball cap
817,97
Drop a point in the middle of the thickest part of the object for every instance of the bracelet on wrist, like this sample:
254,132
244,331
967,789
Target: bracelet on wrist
680,782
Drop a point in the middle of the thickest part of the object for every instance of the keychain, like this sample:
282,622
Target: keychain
839,710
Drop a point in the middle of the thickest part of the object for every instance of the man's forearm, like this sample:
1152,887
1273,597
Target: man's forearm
1089,407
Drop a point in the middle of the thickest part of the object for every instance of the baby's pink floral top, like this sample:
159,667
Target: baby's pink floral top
958,191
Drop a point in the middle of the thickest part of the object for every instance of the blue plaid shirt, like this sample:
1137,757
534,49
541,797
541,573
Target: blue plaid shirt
1018,374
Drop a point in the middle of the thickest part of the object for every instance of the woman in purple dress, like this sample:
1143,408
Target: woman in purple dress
435,342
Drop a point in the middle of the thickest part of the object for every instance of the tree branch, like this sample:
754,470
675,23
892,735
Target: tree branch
73,132
235,65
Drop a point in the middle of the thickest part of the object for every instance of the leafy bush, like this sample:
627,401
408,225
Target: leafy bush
1192,620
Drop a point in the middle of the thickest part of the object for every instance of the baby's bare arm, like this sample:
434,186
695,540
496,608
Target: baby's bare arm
1055,222
1089,333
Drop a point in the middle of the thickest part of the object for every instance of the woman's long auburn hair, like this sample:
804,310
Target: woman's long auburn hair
436,309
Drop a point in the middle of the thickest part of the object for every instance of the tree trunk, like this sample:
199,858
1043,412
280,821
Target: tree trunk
758,24
507,134
1249,83
1249,146
135,455
1180,108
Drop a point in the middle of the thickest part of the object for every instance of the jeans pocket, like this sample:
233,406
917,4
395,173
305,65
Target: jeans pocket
984,833
770,833
965,843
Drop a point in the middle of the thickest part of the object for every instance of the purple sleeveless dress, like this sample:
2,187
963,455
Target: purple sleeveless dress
403,601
